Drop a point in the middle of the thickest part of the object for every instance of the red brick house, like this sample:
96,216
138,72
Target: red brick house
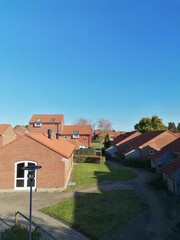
171,174
165,155
100,135
146,144
20,130
121,140
54,155
79,135
7,134
40,123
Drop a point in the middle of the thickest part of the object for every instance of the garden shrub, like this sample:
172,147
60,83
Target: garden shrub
138,162
18,232
87,151
158,182
116,157
88,159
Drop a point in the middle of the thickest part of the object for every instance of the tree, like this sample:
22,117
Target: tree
150,124
104,125
84,121
172,127
107,141
178,127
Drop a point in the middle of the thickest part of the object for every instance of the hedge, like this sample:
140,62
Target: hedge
18,232
87,151
89,159
137,162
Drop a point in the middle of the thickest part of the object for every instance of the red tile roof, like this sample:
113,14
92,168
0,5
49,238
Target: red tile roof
82,129
3,128
125,137
60,146
150,138
171,167
20,130
46,118
178,134
173,146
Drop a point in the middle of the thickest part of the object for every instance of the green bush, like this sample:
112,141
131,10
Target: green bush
18,232
137,162
157,182
116,157
87,151
89,159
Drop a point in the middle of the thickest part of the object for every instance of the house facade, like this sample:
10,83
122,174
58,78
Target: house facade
166,154
54,155
147,144
79,135
120,141
171,174
40,123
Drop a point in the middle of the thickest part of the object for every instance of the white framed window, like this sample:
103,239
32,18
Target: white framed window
38,122
65,137
75,134
21,181
82,147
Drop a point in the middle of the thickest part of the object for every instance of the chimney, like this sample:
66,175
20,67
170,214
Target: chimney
57,134
49,133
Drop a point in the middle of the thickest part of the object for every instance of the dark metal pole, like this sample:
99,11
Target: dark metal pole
31,176
30,209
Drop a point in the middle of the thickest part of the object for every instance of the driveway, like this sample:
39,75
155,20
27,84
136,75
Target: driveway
158,223
155,224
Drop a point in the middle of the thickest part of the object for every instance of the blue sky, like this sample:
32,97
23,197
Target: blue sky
118,60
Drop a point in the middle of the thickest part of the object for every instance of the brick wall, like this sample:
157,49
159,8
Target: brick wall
44,128
81,141
53,173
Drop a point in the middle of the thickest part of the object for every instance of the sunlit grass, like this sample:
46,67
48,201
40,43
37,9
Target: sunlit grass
85,174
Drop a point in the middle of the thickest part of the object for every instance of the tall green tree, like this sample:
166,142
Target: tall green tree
178,127
107,141
150,124
172,127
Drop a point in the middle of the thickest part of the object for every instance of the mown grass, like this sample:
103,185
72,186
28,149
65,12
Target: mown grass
85,174
99,213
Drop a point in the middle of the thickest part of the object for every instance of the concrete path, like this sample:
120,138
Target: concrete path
155,224
11,202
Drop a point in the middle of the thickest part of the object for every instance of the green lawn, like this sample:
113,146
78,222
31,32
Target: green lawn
85,174
99,213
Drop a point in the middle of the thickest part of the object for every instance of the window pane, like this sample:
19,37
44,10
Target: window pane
20,183
20,172
31,164
33,183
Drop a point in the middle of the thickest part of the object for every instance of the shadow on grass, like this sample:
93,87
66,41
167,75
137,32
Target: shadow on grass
98,213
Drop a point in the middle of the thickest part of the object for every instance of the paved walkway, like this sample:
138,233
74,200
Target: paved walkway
11,202
155,224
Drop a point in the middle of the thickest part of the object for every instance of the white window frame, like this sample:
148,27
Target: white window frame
25,188
38,124
76,136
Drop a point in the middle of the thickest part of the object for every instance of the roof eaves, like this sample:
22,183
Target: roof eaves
46,145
